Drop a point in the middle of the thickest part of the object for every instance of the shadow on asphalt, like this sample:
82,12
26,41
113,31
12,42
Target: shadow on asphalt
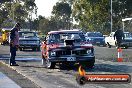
34,66
111,68
102,68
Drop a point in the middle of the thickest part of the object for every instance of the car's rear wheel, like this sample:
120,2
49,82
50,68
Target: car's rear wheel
98,44
104,45
126,47
50,65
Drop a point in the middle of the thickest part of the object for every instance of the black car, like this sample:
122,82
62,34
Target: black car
96,38
29,40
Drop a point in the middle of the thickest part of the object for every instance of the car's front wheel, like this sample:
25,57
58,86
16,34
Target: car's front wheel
20,49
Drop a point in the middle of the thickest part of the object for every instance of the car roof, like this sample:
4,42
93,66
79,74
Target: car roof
64,31
26,31
93,32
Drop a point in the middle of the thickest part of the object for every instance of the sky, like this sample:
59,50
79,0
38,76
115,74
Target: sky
45,7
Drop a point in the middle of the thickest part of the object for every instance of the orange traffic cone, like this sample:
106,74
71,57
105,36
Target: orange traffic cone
120,57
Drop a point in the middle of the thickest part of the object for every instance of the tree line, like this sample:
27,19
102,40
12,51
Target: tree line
88,15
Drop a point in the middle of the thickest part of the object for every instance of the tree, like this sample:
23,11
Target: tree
46,25
90,14
94,15
16,10
62,11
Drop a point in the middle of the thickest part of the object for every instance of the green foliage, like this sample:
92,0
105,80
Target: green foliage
46,25
16,10
91,14
62,9
62,13
94,15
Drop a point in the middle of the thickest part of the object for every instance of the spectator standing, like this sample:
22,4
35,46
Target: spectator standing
14,43
119,36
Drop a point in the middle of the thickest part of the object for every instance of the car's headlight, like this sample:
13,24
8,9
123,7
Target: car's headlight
89,51
53,53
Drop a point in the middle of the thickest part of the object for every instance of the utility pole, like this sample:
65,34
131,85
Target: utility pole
12,10
111,17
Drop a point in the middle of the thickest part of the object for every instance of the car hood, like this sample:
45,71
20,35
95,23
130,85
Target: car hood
29,39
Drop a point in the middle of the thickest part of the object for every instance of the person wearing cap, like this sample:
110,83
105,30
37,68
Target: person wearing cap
14,43
119,36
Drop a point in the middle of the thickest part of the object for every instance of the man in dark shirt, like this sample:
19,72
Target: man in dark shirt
14,43
119,35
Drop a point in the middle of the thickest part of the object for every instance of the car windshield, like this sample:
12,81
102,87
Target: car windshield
28,34
94,35
59,38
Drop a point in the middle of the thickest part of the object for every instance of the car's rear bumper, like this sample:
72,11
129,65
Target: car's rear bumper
76,58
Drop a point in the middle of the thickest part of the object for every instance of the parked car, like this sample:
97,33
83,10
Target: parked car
96,38
67,47
127,42
29,40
